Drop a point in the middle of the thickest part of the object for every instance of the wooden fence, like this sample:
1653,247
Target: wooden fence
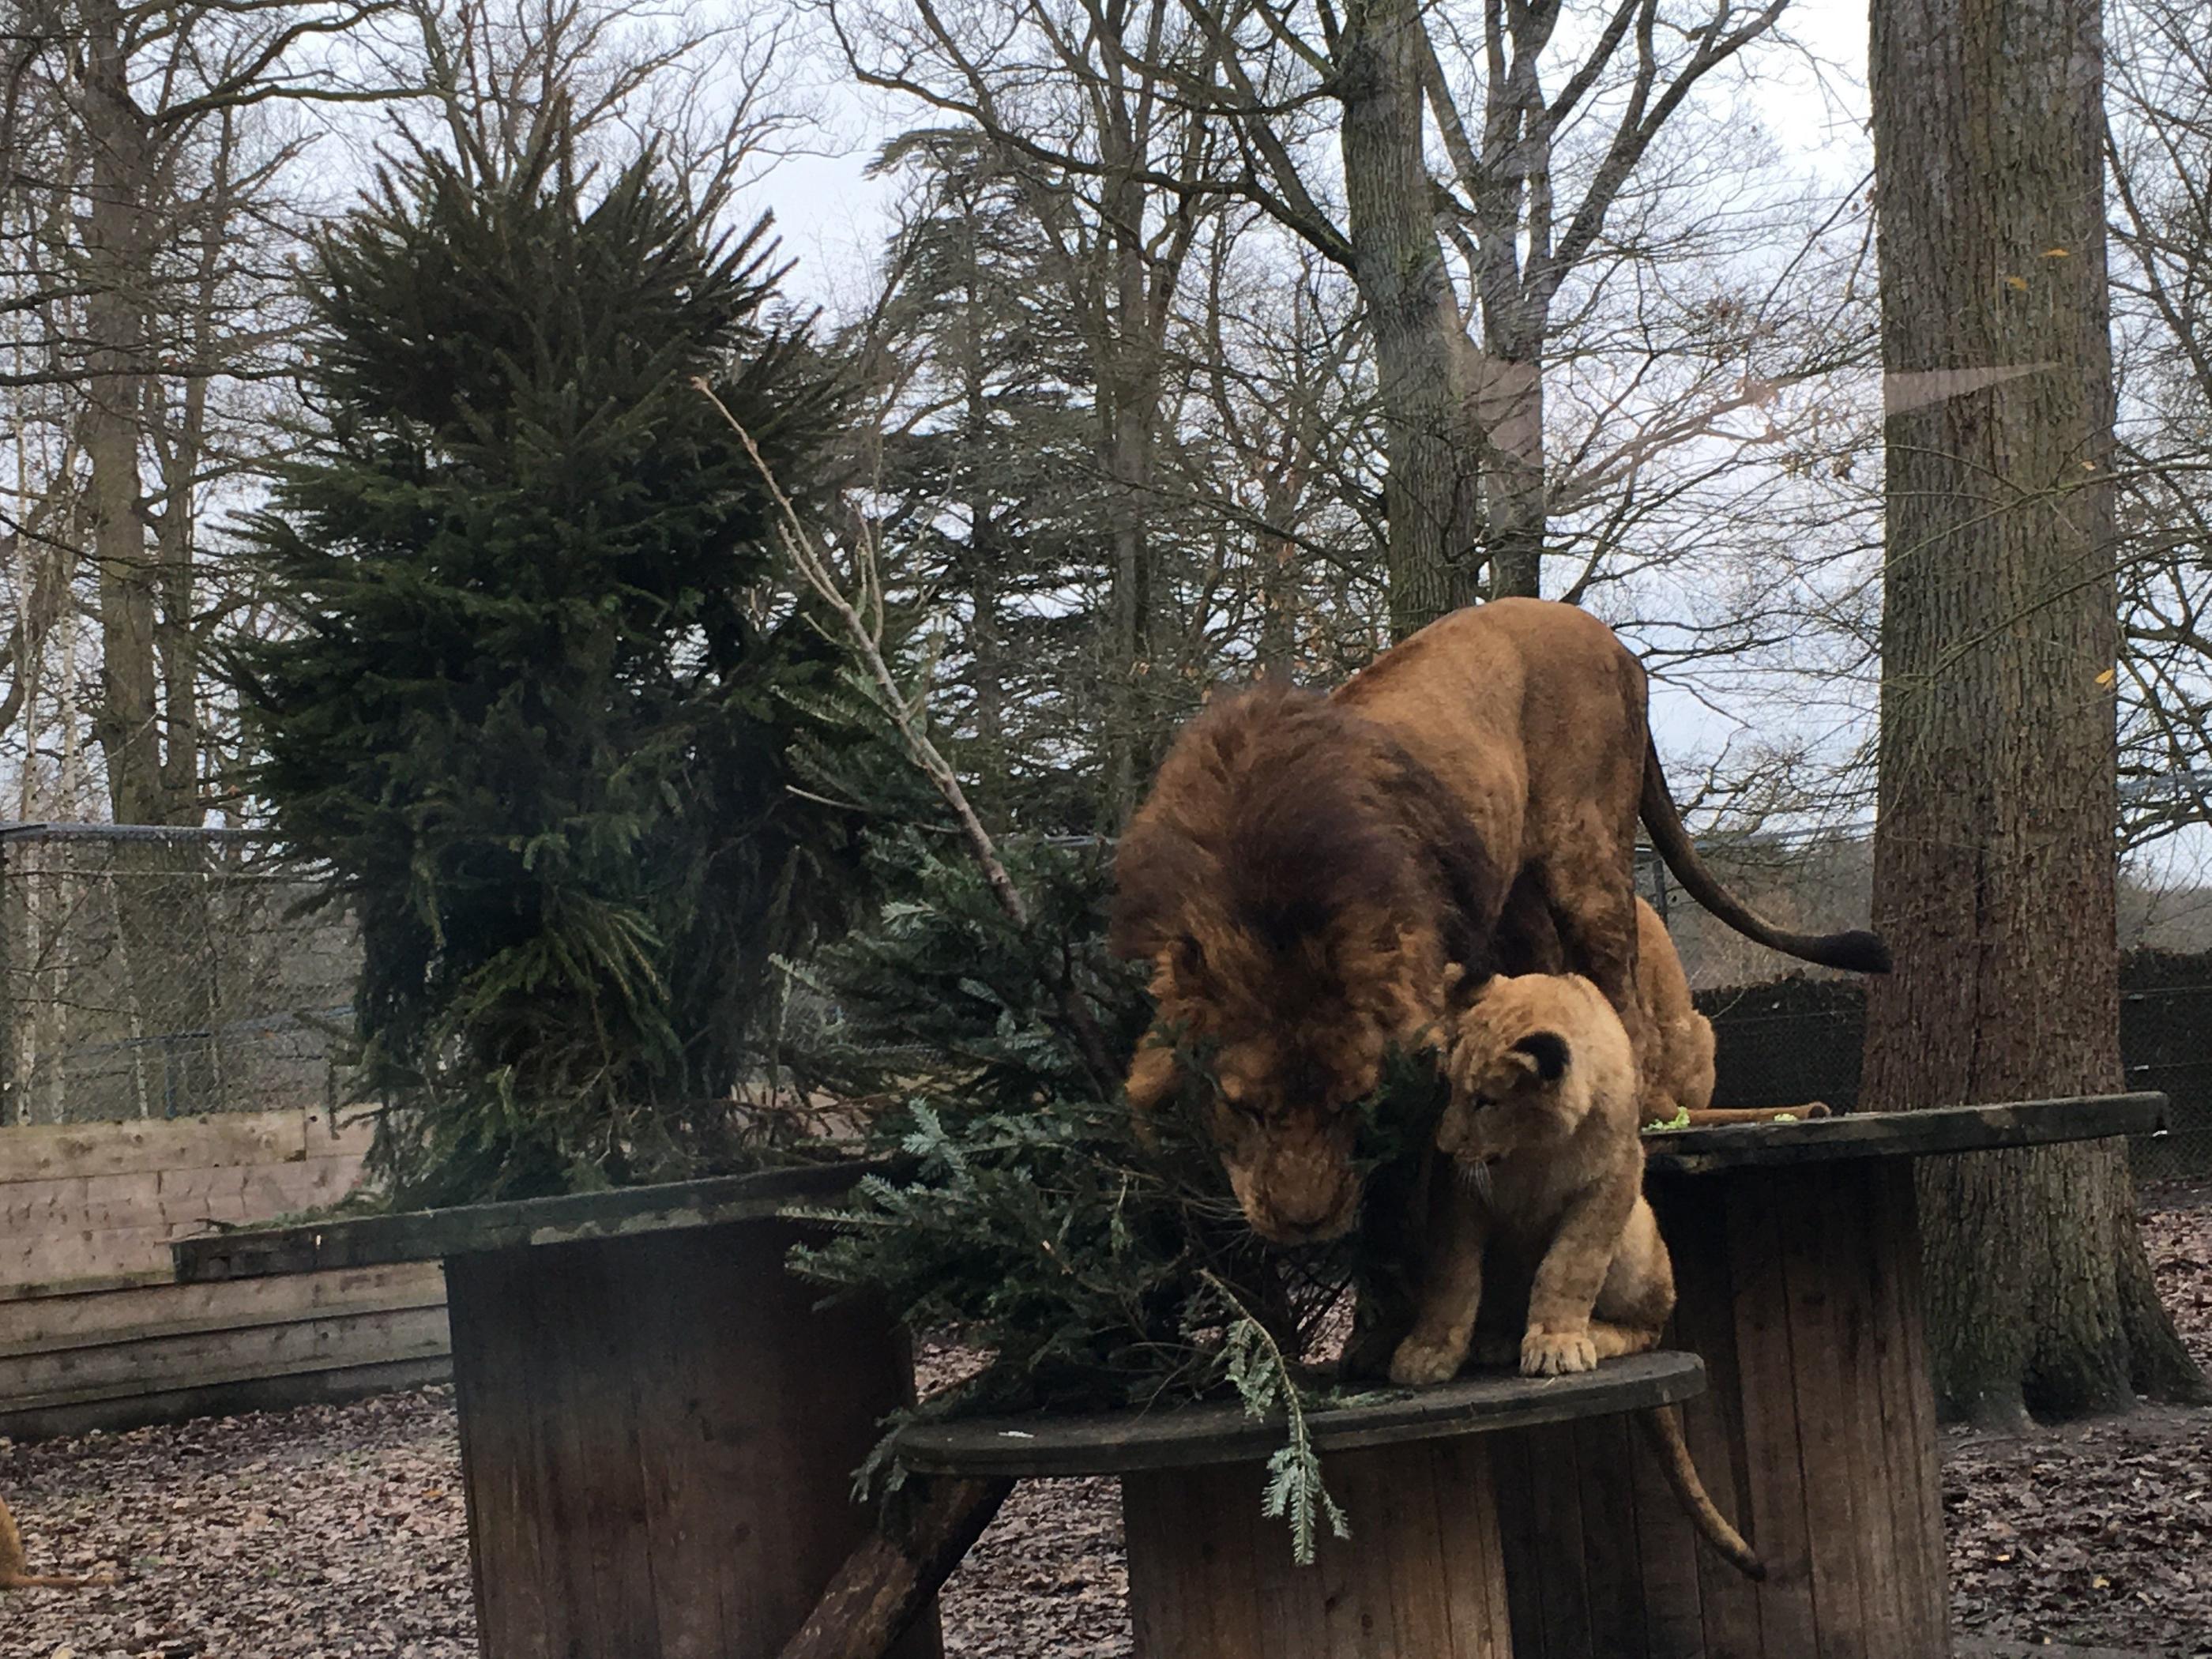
95,1334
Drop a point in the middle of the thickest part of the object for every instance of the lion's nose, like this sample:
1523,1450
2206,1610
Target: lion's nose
1307,1213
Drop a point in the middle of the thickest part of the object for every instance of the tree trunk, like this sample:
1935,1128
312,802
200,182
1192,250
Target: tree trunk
1432,494
128,720
1276,549
1995,850
931,1526
1511,402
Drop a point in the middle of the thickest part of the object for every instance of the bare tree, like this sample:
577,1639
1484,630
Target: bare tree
2158,139
1084,105
720,98
143,220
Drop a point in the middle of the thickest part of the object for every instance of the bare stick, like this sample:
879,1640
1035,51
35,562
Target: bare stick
862,618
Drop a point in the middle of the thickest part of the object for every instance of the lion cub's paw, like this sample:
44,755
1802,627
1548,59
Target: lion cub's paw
1422,1360
1557,1353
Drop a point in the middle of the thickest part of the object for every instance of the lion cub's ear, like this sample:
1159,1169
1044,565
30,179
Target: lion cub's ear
1543,1053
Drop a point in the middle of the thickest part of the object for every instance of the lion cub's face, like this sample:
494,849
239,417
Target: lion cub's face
1530,1060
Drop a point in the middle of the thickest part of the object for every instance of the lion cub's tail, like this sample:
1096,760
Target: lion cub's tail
1665,1431
1856,950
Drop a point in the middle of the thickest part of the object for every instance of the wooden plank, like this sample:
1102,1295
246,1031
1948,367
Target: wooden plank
1943,1129
425,1345
491,1302
1564,1580
1188,1549
34,1151
228,1193
129,1313
1112,1442
1666,1560
1919,1560
114,1371
441,1235
95,1283
1612,1570
1209,1577
1694,1218
223,1397
1513,1472
1844,1212
1837,1483
1773,1459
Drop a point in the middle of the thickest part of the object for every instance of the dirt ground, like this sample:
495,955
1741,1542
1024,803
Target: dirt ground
338,1532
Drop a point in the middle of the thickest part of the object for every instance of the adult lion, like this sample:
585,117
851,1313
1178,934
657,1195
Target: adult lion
1308,870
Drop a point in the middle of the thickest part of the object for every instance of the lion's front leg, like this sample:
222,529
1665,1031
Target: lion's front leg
1451,1288
1570,1275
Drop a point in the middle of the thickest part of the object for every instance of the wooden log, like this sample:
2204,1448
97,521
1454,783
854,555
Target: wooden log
928,1528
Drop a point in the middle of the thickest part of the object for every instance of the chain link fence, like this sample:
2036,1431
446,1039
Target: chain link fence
149,972
1800,1040
159,972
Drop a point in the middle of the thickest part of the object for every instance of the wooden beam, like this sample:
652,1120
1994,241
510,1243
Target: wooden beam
929,1526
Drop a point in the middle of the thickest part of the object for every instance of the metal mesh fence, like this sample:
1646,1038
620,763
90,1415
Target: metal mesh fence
157,973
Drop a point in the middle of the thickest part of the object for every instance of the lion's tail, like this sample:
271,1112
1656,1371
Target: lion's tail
1857,949
1665,1431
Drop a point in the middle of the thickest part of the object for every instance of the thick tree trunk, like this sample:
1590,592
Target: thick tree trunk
1433,492
1995,850
129,720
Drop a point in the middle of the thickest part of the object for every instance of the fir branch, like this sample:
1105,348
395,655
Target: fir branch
1263,1379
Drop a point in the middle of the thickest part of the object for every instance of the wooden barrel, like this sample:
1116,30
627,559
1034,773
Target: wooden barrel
658,1427
1796,1256
1422,1575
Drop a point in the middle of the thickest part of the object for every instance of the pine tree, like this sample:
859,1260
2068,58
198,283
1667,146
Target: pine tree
536,699
994,504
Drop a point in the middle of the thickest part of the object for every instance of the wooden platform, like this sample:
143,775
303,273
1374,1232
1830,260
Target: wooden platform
1937,1131
475,1228
658,1425
1197,1437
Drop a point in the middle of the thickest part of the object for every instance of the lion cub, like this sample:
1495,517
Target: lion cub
1542,1122
1543,1125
